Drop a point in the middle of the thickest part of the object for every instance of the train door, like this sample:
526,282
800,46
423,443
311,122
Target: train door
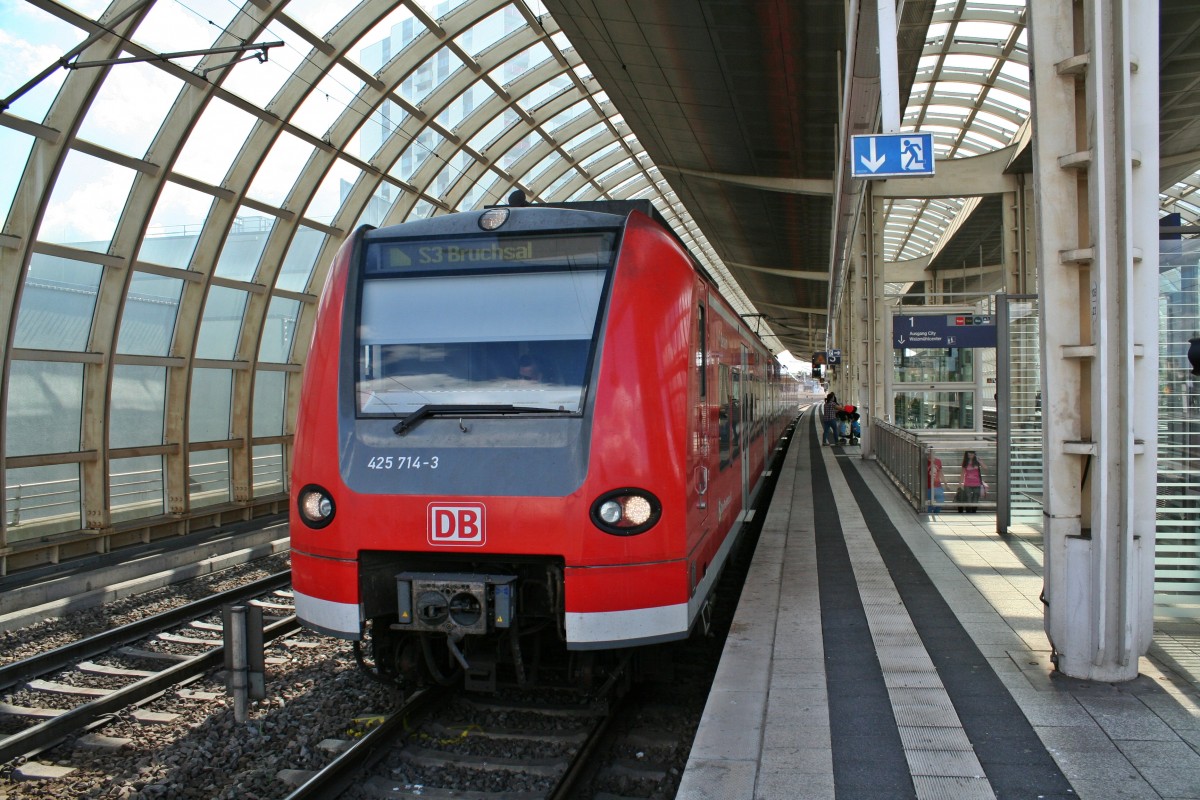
702,457
742,387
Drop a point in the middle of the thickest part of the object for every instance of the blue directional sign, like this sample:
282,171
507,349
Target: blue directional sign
914,331
891,155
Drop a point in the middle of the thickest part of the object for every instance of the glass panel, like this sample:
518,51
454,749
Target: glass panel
258,82
1177,540
333,95
195,25
57,304
41,500
542,166
1025,414
333,191
148,317
222,322
45,402
387,38
631,188
518,338
244,246
415,154
461,107
175,226
378,206
544,92
518,151
941,410
450,174
278,330
300,259
551,192
135,487
267,469
33,40
499,124
212,390
319,16
490,30
933,365
422,210
16,147
279,170
608,149
208,478
476,198
270,395
563,117
439,9
580,138
215,141
86,202
519,64
130,107
136,411
417,87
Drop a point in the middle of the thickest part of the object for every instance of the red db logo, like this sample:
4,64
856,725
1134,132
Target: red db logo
460,524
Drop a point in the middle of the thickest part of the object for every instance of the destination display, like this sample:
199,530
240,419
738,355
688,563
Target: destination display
915,332
421,255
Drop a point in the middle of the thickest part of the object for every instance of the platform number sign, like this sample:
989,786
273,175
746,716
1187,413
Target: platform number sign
917,331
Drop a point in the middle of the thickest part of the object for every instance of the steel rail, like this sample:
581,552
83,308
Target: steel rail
581,763
338,775
51,731
45,734
67,655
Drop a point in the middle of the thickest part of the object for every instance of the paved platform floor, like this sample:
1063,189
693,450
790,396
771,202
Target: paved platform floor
877,653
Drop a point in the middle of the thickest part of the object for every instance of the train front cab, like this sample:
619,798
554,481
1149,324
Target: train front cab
695,429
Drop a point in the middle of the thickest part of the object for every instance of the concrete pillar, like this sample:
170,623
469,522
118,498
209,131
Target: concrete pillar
1020,262
877,345
1095,106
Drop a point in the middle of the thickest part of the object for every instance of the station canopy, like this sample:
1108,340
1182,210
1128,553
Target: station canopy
179,173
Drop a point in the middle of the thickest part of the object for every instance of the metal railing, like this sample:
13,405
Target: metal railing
909,458
900,453
38,507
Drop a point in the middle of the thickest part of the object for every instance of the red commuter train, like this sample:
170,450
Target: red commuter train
518,425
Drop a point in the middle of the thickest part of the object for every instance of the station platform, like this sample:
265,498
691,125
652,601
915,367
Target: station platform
878,653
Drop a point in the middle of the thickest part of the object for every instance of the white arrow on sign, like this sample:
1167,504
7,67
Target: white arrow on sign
875,162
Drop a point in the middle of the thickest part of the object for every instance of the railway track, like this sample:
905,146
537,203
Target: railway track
77,688
443,744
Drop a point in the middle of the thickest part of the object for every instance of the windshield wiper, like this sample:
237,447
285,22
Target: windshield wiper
437,409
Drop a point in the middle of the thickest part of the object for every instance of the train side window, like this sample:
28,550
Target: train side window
724,422
702,355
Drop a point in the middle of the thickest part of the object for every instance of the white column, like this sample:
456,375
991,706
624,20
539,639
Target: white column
1095,111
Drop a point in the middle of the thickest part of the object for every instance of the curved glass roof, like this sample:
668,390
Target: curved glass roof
191,166
972,93
182,171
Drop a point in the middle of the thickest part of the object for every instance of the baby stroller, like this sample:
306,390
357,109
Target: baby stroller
849,429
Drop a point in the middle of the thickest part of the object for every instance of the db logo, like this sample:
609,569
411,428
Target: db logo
460,524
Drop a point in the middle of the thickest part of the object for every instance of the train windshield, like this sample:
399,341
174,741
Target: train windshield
482,336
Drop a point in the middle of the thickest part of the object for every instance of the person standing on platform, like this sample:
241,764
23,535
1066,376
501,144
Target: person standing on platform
971,482
829,435
935,491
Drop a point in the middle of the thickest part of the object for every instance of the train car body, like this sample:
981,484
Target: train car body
528,419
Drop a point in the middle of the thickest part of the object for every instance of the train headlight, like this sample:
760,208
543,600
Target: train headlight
626,512
316,506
